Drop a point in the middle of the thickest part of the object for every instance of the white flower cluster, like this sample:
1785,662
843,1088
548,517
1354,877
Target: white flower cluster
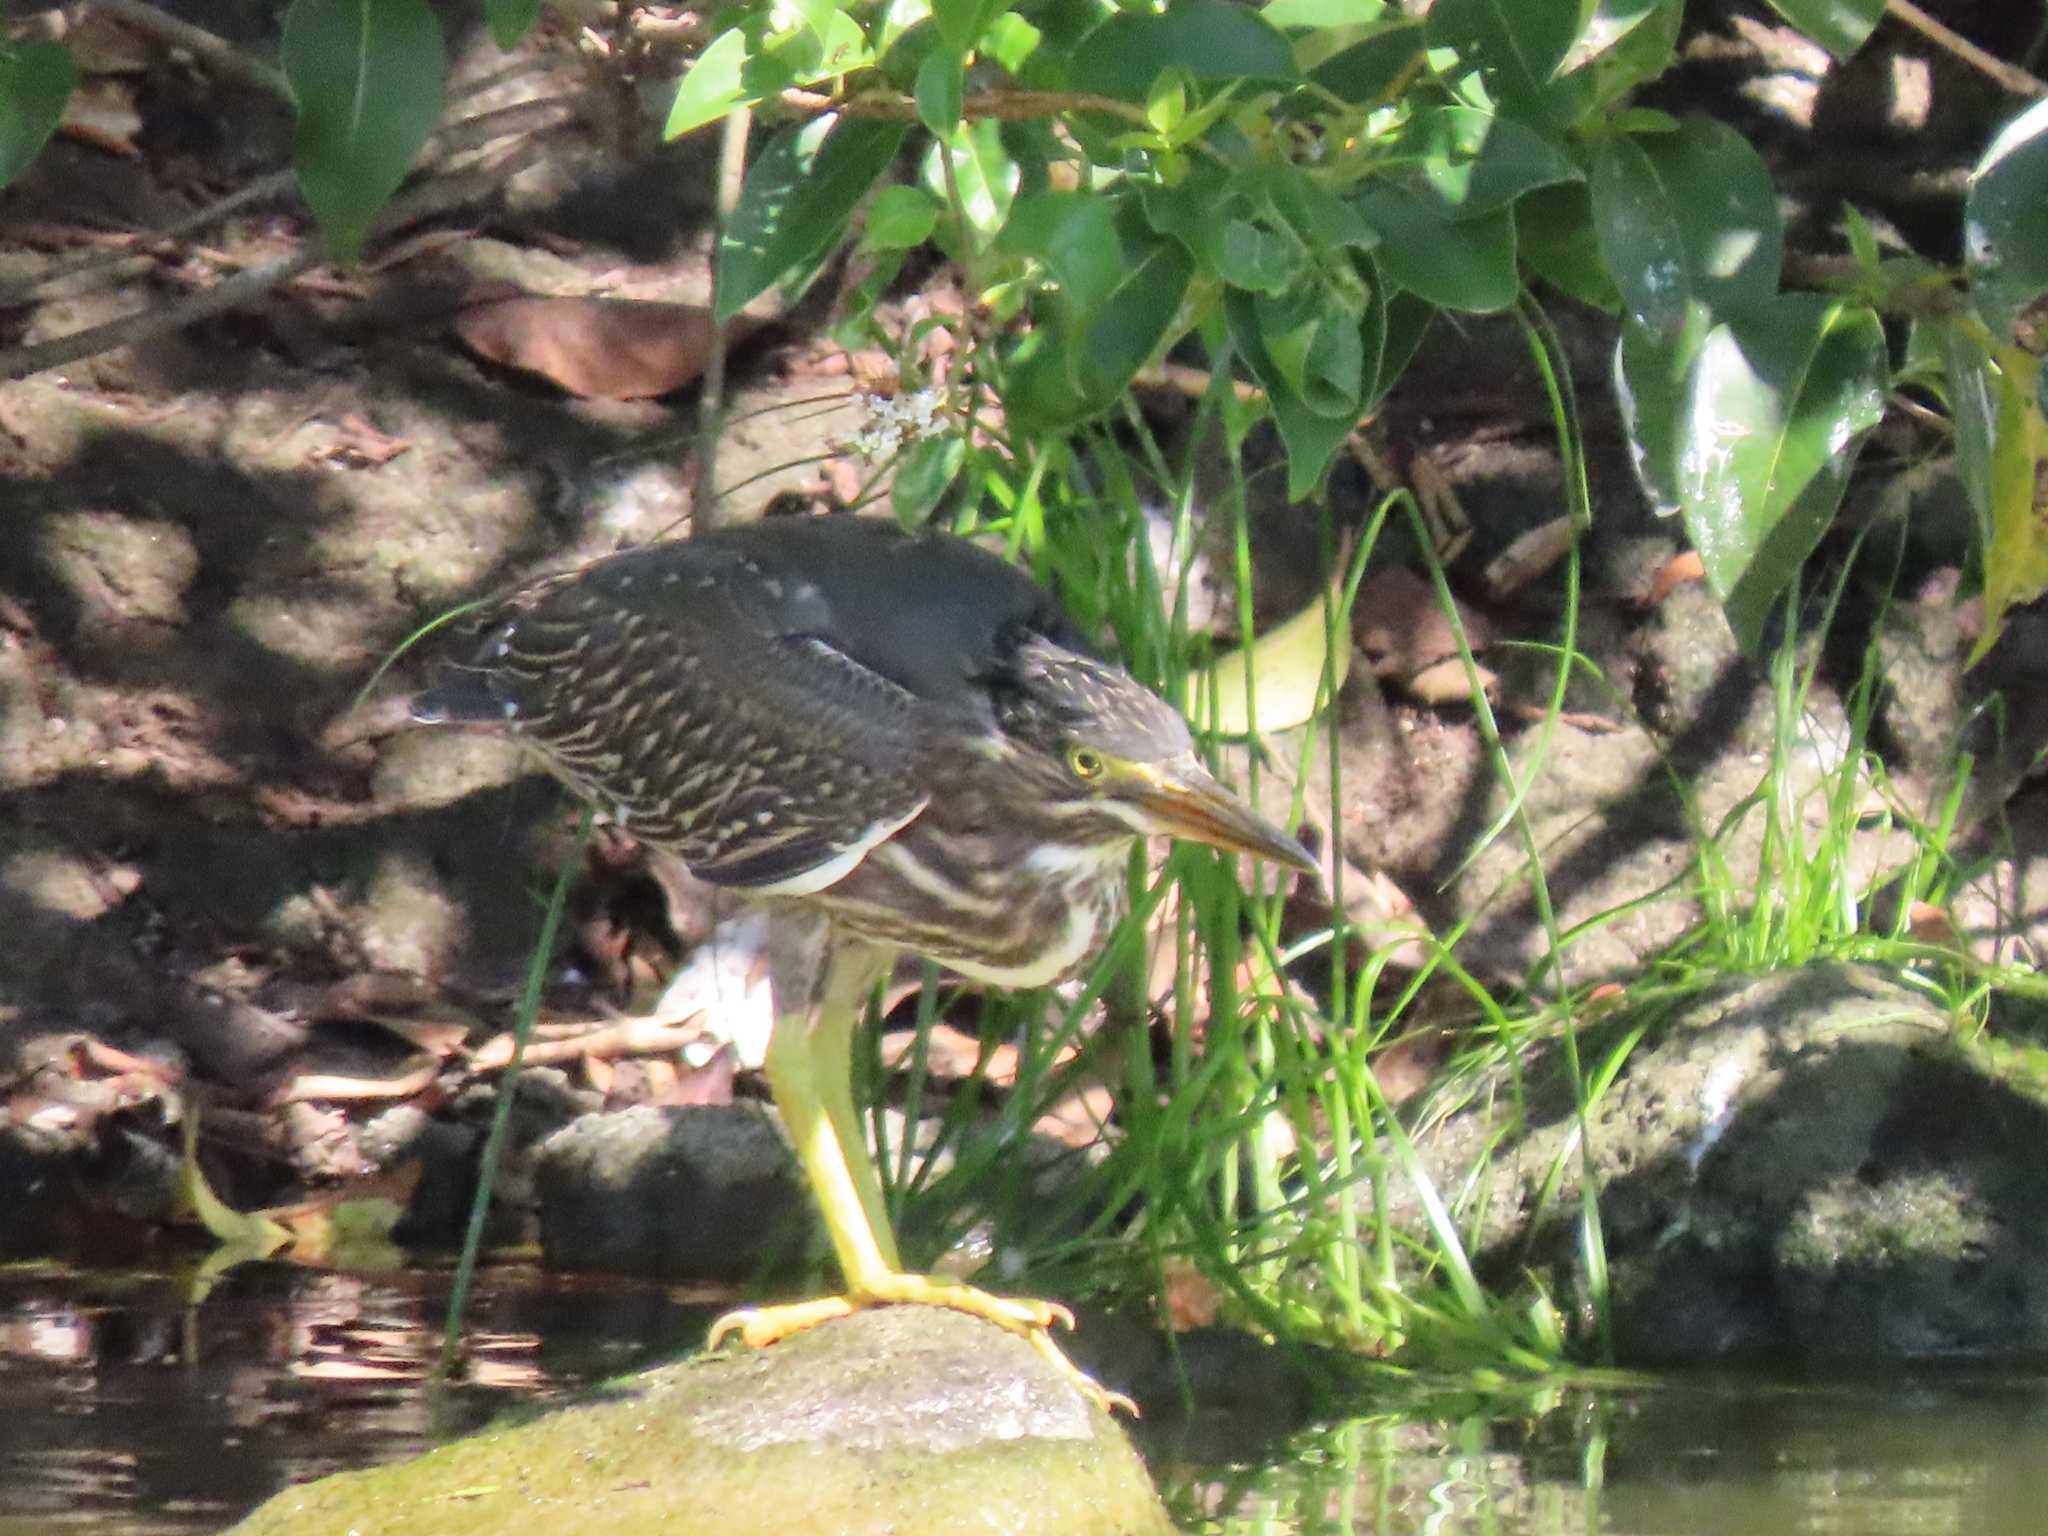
892,418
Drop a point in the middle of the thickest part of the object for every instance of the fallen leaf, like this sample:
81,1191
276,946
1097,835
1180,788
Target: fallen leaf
1285,668
1528,557
1678,571
601,349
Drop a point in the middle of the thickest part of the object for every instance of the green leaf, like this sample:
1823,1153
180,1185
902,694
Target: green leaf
961,22
1460,264
35,83
1074,234
1208,39
1281,672
928,468
2005,221
1840,26
1554,234
1652,372
900,217
1685,216
797,200
1310,437
982,168
1011,41
1518,46
366,75
1611,23
1776,403
711,87
1366,73
1321,14
1406,321
1478,162
1078,361
511,20
941,84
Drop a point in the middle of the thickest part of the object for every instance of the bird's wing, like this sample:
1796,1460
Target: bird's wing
660,684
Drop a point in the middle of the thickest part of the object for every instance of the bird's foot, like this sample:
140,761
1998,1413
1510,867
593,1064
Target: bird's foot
1030,1319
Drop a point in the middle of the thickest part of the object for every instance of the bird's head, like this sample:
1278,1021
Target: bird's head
1107,757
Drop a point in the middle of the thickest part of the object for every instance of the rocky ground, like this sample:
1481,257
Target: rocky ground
213,895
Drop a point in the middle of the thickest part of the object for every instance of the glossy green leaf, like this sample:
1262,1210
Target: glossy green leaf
961,22
941,84
798,197
900,217
1610,25
1459,264
1310,437
1321,14
511,20
1368,72
1479,162
1078,361
1206,39
1685,216
928,467
1776,402
1652,375
711,87
2005,221
2016,553
1011,41
1840,26
1554,235
366,76
1402,320
1970,385
984,172
1074,235
35,83
1642,52
1518,47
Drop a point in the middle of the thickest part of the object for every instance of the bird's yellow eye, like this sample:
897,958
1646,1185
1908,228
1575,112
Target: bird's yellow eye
1086,762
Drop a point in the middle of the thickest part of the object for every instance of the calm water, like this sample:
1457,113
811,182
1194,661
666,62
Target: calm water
129,1411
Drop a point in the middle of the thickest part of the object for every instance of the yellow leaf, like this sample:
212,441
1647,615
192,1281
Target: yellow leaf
254,1236
1285,666
2016,558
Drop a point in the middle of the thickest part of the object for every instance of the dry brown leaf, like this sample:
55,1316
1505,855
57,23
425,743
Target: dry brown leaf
600,349
1191,1301
1528,557
1078,1118
1676,572
101,112
334,1085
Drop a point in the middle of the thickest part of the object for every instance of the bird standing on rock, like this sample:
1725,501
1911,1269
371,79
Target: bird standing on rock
896,740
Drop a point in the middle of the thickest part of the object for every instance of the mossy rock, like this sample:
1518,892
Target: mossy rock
904,1420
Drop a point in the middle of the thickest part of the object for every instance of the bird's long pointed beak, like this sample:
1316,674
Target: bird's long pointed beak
1186,801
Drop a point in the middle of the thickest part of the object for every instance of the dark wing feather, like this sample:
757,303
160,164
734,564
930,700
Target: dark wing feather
698,692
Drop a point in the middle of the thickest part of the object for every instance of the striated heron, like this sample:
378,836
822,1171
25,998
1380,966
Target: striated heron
900,742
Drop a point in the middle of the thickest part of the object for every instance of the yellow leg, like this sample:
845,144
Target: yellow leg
809,1065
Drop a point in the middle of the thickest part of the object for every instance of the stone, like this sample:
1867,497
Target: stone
899,1420
706,1192
1806,1163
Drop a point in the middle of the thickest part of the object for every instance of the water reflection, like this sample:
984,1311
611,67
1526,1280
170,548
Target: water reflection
1935,1450
130,1413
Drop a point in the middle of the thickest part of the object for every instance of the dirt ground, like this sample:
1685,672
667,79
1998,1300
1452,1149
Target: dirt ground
216,536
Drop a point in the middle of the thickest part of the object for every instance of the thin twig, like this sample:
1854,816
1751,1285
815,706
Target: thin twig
215,52
423,202
275,184
2011,76
732,170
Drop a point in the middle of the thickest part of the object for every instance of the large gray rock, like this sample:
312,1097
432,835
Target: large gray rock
1805,1162
909,1421
706,1192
